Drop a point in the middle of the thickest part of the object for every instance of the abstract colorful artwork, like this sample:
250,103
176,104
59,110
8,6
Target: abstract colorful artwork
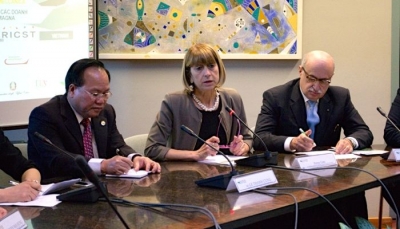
238,29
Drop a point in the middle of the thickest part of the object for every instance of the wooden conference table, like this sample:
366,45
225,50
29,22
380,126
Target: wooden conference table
176,185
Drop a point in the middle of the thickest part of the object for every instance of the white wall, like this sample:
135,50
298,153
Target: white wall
357,33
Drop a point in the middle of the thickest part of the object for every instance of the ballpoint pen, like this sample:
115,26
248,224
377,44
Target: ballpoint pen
302,132
14,183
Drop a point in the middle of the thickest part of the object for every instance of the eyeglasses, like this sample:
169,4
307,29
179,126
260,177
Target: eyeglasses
227,146
97,95
313,79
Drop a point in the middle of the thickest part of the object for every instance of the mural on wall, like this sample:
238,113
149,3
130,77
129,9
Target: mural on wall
266,29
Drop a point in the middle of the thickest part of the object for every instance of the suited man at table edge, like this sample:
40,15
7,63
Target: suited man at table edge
87,85
392,139
284,114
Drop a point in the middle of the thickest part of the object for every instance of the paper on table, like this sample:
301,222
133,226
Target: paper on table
49,200
337,156
53,187
221,160
369,152
131,174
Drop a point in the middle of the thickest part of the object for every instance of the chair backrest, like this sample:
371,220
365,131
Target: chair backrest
23,147
137,142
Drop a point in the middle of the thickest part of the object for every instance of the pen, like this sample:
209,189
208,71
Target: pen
302,131
14,183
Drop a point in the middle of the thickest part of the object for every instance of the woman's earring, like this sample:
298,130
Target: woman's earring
191,87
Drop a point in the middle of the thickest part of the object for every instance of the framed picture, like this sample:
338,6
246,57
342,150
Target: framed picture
238,29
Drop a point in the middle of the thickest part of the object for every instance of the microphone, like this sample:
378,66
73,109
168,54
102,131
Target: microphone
257,160
379,109
387,117
220,181
89,174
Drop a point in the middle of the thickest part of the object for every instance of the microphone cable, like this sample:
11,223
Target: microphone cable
174,207
296,205
315,192
352,168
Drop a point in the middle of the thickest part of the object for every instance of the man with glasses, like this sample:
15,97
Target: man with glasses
81,122
308,112
310,104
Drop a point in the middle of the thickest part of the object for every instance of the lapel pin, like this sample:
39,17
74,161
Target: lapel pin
103,123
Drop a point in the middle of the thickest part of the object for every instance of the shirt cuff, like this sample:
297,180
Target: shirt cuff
353,140
286,145
95,165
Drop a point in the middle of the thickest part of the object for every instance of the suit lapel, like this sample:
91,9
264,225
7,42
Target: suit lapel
298,107
99,125
325,108
70,121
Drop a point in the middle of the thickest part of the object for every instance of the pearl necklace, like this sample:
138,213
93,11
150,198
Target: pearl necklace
203,107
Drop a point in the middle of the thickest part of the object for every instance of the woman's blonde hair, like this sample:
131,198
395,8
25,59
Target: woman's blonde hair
201,54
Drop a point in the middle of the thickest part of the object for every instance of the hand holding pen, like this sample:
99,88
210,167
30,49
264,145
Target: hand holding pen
21,192
302,142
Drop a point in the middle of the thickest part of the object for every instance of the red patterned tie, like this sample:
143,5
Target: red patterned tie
87,139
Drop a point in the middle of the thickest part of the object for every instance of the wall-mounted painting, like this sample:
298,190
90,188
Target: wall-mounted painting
238,29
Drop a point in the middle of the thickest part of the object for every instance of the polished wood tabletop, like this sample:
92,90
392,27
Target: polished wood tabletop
176,185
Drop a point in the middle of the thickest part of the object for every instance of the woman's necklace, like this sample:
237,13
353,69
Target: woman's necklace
202,106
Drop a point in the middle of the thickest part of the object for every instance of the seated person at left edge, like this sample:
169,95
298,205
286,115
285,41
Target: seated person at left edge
201,107
82,122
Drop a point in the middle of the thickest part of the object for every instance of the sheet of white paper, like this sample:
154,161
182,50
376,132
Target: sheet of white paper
49,200
53,187
131,174
221,160
346,156
369,152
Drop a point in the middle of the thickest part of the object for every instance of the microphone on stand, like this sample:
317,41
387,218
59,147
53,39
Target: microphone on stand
220,181
379,109
81,194
387,117
257,160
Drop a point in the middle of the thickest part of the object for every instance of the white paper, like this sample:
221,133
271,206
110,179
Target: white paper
53,187
131,174
369,152
221,160
49,200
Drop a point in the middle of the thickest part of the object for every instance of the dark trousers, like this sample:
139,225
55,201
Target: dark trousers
394,189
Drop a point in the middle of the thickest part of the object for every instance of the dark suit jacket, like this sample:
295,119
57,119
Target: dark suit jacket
12,161
57,121
283,112
391,134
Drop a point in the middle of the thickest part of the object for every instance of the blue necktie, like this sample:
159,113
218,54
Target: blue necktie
312,116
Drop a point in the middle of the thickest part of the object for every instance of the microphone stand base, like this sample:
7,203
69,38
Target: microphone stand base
220,181
259,160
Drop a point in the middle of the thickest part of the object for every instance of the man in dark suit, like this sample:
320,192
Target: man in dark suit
283,112
309,103
62,120
392,139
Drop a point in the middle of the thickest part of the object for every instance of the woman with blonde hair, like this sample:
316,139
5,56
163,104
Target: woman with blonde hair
200,107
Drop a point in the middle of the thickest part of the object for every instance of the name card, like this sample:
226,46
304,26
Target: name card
314,161
252,180
394,155
13,220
